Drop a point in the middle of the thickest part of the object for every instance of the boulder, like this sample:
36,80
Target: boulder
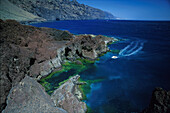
30,96
68,96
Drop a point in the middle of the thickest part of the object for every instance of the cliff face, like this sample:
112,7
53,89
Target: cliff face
61,9
36,52
10,11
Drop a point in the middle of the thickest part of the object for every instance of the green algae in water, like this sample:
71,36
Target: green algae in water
116,51
85,89
69,69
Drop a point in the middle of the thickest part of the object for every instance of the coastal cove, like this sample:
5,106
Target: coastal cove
126,83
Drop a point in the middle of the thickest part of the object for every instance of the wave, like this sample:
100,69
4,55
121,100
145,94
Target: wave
132,48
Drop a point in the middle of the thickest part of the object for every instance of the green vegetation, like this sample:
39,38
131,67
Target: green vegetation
85,89
68,66
89,110
115,51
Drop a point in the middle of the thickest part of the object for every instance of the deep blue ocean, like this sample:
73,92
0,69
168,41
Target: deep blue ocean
142,64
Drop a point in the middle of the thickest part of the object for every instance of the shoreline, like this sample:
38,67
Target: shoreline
38,50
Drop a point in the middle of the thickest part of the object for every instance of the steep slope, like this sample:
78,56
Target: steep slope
61,9
10,11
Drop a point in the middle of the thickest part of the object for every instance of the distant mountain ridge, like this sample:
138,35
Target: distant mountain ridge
11,11
61,10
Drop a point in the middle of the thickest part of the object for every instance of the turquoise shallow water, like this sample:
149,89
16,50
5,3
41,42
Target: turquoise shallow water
142,65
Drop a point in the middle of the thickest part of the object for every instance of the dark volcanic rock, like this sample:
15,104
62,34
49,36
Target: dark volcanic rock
36,52
160,102
27,50
61,9
67,96
87,46
30,96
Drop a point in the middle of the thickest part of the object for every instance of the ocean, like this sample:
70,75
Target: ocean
143,62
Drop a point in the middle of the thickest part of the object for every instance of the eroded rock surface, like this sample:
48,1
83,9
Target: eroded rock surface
36,52
30,96
67,96
160,102
87,46
27,50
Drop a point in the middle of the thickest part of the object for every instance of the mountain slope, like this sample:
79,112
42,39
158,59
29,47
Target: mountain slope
10,11
61,9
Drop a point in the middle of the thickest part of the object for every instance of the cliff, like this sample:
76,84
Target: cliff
36,52
61,10
11,11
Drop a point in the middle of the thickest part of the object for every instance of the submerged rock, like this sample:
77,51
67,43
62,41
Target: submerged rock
68,96
160,102
30,96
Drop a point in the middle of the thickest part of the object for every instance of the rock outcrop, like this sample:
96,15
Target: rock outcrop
27,50
36,52
61,9
30,96
160,102
87,46
67,96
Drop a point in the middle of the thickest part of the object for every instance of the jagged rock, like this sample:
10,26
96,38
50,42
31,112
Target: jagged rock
30,96
87,46
27,50
61,10
67,97
36,52
160,102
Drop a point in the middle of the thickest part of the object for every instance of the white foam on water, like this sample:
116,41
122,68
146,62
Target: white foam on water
132,48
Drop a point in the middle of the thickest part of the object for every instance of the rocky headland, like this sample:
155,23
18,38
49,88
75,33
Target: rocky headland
29,53
27,11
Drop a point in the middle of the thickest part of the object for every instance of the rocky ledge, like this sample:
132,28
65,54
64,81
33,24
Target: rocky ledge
36,52
30,96
68,96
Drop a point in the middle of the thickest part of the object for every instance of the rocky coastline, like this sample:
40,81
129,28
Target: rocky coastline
27,51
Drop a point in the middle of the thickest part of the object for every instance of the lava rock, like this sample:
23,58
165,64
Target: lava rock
30,96
67,96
